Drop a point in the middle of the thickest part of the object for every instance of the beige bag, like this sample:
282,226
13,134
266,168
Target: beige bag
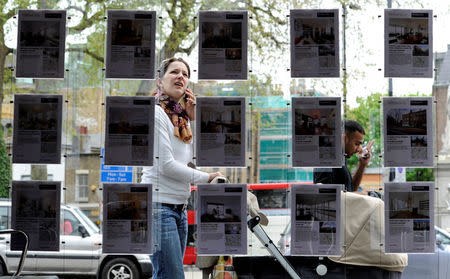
363,220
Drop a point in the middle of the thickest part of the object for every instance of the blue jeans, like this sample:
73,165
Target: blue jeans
169,231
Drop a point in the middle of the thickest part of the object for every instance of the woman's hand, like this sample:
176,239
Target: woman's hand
190,104
214,175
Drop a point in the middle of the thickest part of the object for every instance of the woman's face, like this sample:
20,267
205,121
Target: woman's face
175,80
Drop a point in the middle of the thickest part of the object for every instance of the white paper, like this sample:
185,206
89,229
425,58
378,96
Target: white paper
129,130
223,45
222,219
314,43
37,129
316,219
408,43
36,211
220,132
127,218
316,129
408,132
409,217
130,47
40,44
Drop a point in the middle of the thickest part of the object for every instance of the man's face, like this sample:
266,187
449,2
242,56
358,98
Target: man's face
353,142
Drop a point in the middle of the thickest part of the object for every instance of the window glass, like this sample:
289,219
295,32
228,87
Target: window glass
70,224
271,198
5,217
445,239
82,186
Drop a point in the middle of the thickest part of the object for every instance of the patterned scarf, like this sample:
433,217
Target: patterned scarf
177,115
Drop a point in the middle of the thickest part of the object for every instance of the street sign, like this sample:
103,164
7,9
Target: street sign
112,174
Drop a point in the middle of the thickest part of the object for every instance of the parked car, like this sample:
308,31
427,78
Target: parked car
80,251
420,266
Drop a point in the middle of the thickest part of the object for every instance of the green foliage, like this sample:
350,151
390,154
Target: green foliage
368,114
419,174
5,168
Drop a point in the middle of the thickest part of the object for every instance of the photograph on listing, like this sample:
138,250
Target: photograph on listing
35,209
37,129
221,131
129,130
409,217
408,131
127,217
41,39
222,219
315,219
130,44
408,43
316,126
223,45
314,43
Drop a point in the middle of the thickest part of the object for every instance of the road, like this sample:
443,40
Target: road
190,272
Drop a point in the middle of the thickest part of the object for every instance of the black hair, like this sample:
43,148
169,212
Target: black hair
352,126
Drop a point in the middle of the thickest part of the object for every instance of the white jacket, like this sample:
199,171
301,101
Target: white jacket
170,175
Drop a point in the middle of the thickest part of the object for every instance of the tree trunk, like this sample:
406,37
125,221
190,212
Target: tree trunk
3,53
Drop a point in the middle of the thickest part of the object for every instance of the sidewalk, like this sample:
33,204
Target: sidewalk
192,272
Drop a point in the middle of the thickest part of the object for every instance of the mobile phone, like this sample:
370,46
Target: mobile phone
365,153
185,97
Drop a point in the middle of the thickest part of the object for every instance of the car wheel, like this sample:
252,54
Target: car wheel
2,269
120,268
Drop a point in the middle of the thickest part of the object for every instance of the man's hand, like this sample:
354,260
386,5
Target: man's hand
365,154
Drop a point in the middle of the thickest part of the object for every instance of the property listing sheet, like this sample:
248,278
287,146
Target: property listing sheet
220,131
222,47
222,219
314,43
316,219
409,217
316,129
130,45
408,132
127,218
37,129
41,41
129,130
408,43
36,211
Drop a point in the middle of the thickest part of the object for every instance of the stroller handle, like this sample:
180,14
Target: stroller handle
24,251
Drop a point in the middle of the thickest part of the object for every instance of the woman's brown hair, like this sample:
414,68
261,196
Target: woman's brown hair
165,64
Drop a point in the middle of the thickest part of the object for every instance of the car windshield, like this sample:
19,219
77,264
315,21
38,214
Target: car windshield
88,221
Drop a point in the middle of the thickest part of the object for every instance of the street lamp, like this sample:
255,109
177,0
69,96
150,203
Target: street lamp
344,47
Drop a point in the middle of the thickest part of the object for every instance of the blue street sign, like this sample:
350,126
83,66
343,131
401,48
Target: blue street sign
112,174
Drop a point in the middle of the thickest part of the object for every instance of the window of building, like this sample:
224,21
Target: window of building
81,186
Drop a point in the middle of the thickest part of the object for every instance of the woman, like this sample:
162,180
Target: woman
170,174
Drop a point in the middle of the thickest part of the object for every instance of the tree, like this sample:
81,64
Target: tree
368,115
419,174
8,12
5,168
